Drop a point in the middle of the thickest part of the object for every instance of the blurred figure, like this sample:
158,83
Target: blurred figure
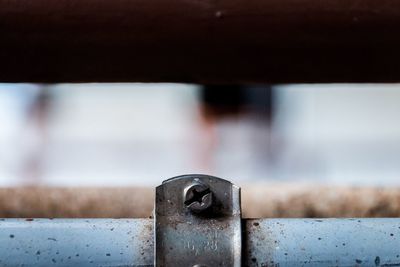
227,112
219,101
35,137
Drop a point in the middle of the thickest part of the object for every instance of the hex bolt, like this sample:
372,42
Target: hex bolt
198,197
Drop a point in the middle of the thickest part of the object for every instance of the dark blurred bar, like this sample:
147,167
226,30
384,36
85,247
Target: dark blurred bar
219,101
238,41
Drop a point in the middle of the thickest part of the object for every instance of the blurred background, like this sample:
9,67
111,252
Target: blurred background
141,134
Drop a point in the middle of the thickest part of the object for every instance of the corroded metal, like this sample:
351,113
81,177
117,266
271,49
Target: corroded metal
198,197
208,236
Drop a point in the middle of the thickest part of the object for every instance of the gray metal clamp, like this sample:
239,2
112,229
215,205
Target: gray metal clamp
197,222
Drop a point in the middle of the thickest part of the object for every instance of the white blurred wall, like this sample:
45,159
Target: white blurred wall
140,134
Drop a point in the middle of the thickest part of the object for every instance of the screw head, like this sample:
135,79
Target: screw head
198,197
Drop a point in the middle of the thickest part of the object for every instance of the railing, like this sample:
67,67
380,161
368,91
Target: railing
197,223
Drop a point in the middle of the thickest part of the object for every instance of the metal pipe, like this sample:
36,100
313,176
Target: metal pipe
199,41
327,242
267,242
76,242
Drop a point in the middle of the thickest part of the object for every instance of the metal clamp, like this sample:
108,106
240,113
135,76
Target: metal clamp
197,222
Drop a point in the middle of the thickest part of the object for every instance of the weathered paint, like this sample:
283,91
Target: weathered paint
322,242
81,242
267,242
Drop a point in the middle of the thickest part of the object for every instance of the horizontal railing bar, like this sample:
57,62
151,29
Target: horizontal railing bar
76,242
274,41
266,242
322,242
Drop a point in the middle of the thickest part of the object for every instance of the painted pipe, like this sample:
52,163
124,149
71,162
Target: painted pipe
201,41
80,242
266,242
326,242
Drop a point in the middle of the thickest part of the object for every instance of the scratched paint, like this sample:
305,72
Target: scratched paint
267,242
322,242
76,242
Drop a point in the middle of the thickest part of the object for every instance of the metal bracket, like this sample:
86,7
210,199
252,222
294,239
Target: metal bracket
197,222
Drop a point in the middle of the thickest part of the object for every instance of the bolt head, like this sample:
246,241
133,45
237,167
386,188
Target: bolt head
197,197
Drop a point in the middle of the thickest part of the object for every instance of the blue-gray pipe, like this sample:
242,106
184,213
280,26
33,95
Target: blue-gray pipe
326,242
266,242
76,242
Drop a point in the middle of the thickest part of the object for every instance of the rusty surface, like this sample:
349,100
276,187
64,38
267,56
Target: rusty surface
200,41
187,237
258,201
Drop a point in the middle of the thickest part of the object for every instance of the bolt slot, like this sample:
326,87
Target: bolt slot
197,196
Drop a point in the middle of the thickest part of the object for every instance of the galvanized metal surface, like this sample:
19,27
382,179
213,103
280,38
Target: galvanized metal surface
198,222
326,242
76,242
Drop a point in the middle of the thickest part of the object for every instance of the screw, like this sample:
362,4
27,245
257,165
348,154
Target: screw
198,197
